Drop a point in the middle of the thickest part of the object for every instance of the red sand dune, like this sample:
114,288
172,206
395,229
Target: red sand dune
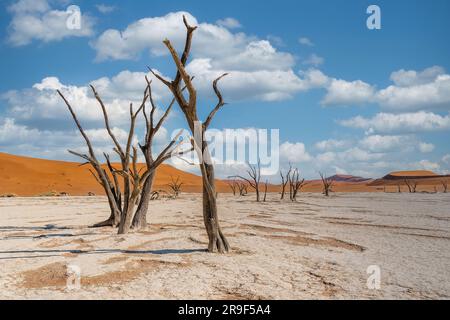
26,176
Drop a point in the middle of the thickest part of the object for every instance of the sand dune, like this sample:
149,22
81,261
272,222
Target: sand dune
26,176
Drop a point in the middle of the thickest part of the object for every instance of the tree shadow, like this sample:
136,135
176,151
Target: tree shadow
59,252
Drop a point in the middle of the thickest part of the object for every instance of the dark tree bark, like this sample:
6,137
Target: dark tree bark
295,184
412,185
284,181
265,190
444,186
327,184
140,218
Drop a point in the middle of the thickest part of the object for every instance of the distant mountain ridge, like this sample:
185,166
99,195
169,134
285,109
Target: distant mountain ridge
348,178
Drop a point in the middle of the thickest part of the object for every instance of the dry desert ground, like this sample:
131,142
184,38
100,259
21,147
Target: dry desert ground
316,248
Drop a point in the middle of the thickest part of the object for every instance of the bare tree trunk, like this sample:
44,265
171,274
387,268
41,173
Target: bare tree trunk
265,191
140,218
217,240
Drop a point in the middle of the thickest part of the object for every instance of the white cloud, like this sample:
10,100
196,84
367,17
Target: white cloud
379,143
405,122
277,41
229,23
407,78
20,139
331,144
434,94
306,42
314,60
103,8
36,20
294,152
343,92
427,165
426,147
42,101
148,34
446,159
266,85
411,91
257,69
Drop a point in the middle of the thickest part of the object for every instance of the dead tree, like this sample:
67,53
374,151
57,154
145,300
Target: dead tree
175,186
295,184
265,190
284,181
254,178
233,186
152,128
399,188
133,181
188,105
444,185
243,190
327,184
98,172
412,185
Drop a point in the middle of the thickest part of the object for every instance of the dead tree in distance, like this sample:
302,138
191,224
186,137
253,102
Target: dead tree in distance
284,181
295,184
233,186
265,190
175,186
188,105
327,184
412,185
243,190
254,178
444,185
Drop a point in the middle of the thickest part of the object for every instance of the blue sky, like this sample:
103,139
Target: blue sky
345,98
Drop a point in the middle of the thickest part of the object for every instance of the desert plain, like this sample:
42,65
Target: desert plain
315,248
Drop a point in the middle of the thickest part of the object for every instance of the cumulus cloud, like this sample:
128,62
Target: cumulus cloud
147,34
306,42
258,71
36,20
41,101
21,139
426,147
412,90
230,23
314,60
103,8
427,165
405,122
379,143
344,92
332,144
266,85
446,159
294,152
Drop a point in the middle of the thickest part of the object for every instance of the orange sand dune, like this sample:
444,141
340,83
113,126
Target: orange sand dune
415,173
26,176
